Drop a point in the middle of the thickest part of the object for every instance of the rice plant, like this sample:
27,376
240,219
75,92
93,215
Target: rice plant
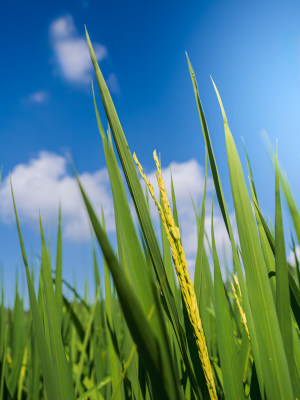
153,332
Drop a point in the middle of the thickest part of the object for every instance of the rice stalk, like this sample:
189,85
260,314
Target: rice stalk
240,308
186,285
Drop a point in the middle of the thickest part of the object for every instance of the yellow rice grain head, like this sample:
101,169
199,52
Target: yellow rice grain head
240,308
186,285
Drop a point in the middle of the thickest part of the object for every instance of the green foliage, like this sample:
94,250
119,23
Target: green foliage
135,341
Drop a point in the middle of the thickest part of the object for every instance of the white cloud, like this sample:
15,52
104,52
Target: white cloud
39,97
71,51
44,182
291,257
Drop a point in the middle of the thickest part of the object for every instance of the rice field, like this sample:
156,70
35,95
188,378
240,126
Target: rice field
153,331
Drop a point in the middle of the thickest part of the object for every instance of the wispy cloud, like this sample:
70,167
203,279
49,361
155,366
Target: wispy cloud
38,97
44,182
71,52
113,84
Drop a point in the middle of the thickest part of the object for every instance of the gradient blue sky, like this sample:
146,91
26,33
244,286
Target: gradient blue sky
251,49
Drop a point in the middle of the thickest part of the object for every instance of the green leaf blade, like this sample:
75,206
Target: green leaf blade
274,363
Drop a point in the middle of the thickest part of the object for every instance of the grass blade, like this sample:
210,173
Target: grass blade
51,384
282,288
232,375
274,363
142,211
222,204
137,322
58,270
198,276
86,340
60,365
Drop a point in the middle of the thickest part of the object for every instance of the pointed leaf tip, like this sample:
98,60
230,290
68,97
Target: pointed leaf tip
220,102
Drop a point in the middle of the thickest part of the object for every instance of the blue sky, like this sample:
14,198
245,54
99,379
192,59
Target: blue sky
251,49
